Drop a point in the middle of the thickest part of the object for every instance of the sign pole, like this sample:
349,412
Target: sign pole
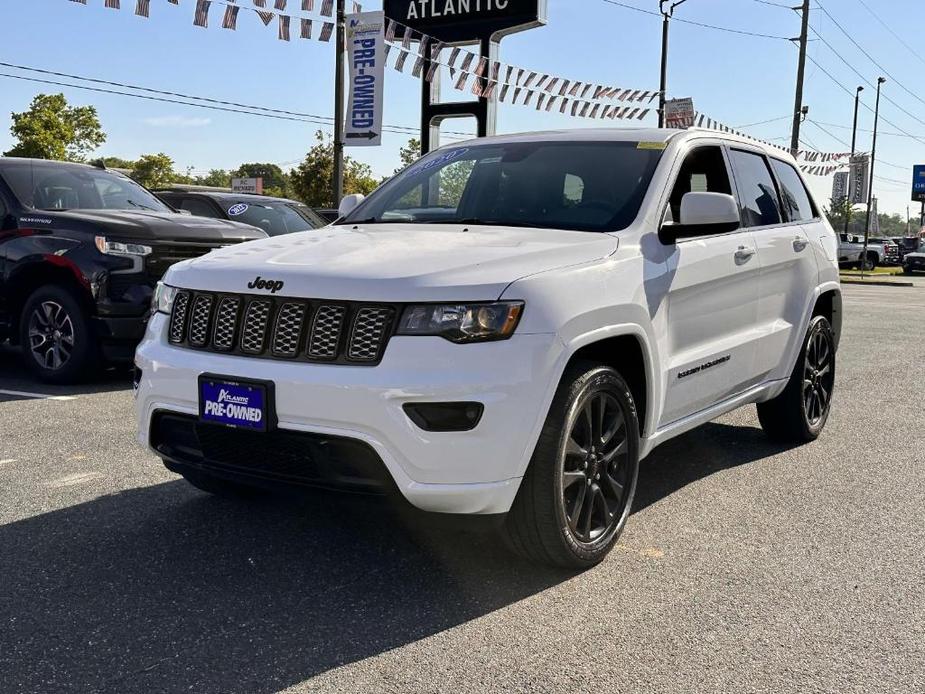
337,184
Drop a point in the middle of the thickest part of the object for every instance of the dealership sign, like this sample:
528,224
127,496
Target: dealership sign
366,53
453,21
918,182
247,185
679,113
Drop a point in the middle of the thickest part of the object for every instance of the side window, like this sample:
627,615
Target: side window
757,193
798,206
199,208
703,171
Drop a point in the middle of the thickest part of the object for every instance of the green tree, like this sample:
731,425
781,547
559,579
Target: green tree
218,178
154,170
114,163
311,180
409,154
52,129
275,180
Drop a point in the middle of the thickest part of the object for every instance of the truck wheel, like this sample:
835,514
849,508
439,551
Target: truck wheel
219,487
578,490
55,336
871,263
799,414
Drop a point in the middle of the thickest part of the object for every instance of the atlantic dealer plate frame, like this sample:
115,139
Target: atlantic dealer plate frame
269,421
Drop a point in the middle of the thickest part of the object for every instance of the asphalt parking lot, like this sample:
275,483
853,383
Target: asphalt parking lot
746,567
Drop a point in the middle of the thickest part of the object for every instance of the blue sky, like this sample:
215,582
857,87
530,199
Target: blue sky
734,78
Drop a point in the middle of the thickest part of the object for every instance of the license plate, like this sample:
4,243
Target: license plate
237,402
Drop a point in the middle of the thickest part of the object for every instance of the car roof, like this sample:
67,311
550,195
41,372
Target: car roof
623,135
230,197
22,161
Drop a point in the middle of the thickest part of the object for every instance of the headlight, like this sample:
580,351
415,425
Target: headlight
462,322
103,245
162,301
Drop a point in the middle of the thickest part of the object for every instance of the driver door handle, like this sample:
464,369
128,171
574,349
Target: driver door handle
799,244
744,254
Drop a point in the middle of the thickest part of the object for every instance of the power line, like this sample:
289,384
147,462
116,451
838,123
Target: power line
895,35
703,25
846,144
307,117
764,122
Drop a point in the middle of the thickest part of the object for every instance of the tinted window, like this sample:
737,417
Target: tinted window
585,186
703,171
54,186
200,208
757,193
275,218
797,205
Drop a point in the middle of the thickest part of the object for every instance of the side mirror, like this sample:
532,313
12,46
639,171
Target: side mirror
703,214
349,204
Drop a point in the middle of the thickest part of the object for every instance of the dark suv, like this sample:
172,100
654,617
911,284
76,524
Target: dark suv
81,249
276,216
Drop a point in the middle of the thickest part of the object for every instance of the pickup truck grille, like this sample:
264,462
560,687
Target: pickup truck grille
281,328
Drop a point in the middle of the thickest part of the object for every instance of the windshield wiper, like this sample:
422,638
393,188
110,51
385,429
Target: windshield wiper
139,205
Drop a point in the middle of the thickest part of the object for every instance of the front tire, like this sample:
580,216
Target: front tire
56,337
798,415
577,493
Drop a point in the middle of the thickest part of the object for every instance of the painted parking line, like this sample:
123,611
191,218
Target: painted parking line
36,396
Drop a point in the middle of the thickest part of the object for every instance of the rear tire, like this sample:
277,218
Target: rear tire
577,493
220,487
56,337
798,415
871,263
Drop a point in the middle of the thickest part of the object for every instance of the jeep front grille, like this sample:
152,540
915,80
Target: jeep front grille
277,328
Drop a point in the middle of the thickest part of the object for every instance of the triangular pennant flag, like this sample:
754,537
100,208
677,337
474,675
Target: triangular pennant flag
326,30
431,71
454,54
461,82
418,66
230,20
201,19
540,100
327,8
467,61
503,95
265,17
389,30
400,60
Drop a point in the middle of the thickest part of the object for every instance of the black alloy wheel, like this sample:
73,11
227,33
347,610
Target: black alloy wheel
594,479
818,377
51,335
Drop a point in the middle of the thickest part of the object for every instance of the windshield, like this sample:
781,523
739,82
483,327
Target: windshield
584,186
275,218
54,186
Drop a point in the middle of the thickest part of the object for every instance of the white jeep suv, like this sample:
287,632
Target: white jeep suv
506,327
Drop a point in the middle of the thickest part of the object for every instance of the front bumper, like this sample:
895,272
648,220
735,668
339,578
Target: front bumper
477,471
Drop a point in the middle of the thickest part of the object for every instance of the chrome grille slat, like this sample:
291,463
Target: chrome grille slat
199,320
254,331
287,333
326,330
369,328
177,328
281,328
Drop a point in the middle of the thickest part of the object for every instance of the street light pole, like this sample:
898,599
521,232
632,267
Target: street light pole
854,138
337,184
870,188
663,83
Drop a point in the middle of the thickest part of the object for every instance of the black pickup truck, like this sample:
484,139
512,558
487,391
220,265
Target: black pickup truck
81,250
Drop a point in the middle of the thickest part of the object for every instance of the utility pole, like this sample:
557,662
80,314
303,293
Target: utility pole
870,189
663,83
854,139
337,184
801,70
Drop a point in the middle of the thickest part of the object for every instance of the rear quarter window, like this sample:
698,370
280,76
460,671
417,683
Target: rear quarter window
798,206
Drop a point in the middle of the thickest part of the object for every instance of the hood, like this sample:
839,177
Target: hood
916,254
392,262
142,225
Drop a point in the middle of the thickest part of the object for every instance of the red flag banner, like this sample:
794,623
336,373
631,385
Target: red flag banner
305,30
230,20
283,27
202,13
326,30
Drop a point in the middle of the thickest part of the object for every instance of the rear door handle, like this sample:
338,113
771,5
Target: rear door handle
799,244
744,254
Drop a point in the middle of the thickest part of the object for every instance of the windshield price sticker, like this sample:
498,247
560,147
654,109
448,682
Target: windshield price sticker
366,44
437,160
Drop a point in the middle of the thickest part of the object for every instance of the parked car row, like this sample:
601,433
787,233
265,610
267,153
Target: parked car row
914,257
880,251
82,248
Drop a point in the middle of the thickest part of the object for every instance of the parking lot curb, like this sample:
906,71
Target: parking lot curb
876,283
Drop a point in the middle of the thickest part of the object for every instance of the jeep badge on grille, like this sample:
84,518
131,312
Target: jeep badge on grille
260,283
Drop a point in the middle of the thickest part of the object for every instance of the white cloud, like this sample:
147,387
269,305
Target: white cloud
176,122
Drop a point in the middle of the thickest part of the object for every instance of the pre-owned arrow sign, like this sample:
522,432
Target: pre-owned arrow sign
366,51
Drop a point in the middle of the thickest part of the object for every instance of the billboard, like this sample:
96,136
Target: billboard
679,113
840,185
860,178
366,53
918,182
247,185
465,20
